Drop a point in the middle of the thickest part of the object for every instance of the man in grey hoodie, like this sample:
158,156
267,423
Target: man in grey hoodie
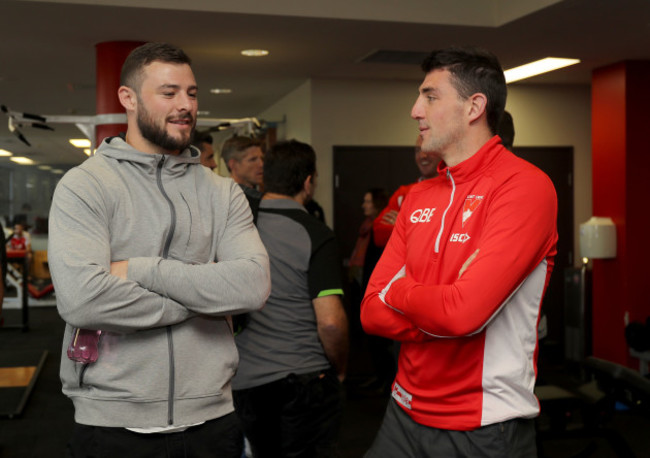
150,254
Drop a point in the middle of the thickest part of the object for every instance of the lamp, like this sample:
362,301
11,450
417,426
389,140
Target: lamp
598,238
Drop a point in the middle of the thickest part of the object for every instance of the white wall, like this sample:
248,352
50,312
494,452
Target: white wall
558,116
358,112
293,114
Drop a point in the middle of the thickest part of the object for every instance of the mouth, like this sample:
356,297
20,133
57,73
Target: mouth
182,121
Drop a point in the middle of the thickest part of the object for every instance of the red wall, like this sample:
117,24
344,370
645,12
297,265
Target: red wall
110,57
621,167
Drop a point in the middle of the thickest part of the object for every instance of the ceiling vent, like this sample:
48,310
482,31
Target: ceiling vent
384,56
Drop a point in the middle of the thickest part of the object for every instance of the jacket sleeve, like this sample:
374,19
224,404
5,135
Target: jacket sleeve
382,231
377,317
238,282
519,233
88,296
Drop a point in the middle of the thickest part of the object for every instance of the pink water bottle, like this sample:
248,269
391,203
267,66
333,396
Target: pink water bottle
84,347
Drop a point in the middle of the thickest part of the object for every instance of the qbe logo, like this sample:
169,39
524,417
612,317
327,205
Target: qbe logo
422,215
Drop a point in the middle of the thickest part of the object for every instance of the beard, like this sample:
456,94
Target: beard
158,135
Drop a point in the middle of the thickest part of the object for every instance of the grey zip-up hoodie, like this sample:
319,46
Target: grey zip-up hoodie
167,354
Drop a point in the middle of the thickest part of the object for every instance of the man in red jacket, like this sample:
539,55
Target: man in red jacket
383,225
461,280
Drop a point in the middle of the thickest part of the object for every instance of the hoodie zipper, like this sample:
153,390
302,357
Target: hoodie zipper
170,341
444,215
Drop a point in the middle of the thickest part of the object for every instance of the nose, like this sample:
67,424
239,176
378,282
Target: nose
416,111
186,102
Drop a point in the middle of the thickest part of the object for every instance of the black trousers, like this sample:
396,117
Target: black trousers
400,436
298,416
218,438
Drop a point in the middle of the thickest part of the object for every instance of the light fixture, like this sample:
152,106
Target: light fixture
21,160
537,68
202,113
220,91
80,142
255,52
44,167
5,153
88,152
598,238
57,171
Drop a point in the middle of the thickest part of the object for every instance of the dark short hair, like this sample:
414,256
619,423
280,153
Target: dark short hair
234,147
506,130
201,137
379,198
286,167
473,70
143,55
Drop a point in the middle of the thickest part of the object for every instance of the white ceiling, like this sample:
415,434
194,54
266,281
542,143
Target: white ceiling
47,53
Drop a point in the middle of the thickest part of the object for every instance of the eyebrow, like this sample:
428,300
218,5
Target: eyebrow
428,90
176,86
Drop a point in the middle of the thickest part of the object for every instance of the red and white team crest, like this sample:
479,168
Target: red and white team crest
471,203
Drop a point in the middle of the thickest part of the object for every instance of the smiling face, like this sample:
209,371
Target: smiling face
166,107
439,111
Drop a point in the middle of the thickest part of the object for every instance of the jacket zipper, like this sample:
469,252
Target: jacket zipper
451,201
170,341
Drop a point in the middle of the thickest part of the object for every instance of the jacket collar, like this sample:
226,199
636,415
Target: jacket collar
117,148
475,165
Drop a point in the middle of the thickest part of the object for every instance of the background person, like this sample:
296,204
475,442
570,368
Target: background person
293,353
385,222
203,141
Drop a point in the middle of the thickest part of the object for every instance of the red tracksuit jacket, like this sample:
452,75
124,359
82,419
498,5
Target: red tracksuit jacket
460,284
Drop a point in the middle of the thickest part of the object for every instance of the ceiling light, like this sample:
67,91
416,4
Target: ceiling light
255,52
5,153
22,160
57,171
80,142
44,167
537,68
220,91
202,113
88,151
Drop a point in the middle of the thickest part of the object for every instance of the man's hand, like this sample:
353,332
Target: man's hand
467,263
390,217
120,269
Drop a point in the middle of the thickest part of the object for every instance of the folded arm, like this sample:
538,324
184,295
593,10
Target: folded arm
518,235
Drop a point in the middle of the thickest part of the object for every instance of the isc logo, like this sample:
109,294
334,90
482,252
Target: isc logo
422,215
462,238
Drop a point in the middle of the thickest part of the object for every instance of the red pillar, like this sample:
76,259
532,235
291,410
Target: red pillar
621,168
110,57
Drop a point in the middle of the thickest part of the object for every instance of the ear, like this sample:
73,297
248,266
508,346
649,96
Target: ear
128,98
231,164
308,185
477,106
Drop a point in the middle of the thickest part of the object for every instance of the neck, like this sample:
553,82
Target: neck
466,148
274,195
